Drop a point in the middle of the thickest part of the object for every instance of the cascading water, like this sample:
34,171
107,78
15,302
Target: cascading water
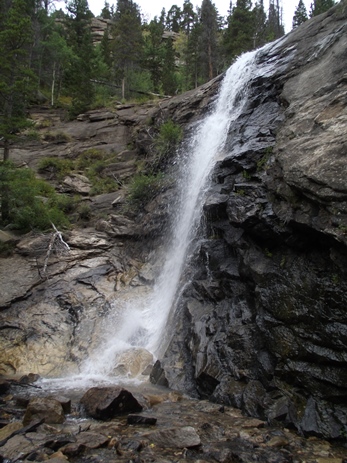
142,323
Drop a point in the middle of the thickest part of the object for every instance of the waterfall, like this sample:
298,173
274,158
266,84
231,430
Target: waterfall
203,149
142,323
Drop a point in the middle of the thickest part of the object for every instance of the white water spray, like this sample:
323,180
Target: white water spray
143,321
204,148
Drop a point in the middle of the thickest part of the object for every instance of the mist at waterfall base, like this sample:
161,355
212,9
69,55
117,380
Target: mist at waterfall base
140,324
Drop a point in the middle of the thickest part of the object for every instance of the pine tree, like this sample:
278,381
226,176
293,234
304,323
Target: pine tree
169,78
208,49
106,12
127,43
17,81
238,36
173,19
79,75
154,51
274,27
186,46
320,6
192,56
188,17
300,14
259,31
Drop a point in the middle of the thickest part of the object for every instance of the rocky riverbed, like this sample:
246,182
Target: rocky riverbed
141,424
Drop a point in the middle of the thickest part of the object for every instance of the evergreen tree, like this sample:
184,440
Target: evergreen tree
106,51
127,43
155,51
78,76
16,78
106,12
16,81
192,56
320,6
186,47
44,27
188,17
58,57
169,78
173,19
300,14
239,34
274,27
208,49
259,31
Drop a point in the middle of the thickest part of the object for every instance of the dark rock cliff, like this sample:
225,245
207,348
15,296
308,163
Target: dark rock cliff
263,323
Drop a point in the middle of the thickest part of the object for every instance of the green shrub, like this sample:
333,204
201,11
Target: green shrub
166,142
28,203
65,203
32,134
6,248
89,157
57,137
143,188
58,166
44,124
264,159
84,212
101,183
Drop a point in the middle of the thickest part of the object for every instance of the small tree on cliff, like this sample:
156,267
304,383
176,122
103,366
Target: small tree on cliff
300,15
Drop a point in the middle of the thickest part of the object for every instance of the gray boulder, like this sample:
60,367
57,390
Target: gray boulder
104,403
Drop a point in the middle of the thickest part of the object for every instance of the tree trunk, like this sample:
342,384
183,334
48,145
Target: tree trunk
210,65
4,191
123,88
6,150
53,85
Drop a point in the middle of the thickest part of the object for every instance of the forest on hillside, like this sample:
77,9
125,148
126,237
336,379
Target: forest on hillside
49,56
51,51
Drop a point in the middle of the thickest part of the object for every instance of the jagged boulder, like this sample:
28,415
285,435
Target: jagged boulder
46,409
103,403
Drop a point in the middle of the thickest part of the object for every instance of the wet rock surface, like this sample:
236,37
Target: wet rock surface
263,325
174,428
104,403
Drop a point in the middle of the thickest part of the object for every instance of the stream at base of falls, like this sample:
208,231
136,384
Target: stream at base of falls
181,430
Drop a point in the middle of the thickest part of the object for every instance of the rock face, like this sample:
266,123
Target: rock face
263,324
52,320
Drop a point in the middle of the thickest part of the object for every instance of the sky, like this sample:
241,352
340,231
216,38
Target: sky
151,8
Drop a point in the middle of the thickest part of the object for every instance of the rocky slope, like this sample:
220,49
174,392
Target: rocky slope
52,316
262,325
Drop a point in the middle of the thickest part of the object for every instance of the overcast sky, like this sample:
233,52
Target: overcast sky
152,8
